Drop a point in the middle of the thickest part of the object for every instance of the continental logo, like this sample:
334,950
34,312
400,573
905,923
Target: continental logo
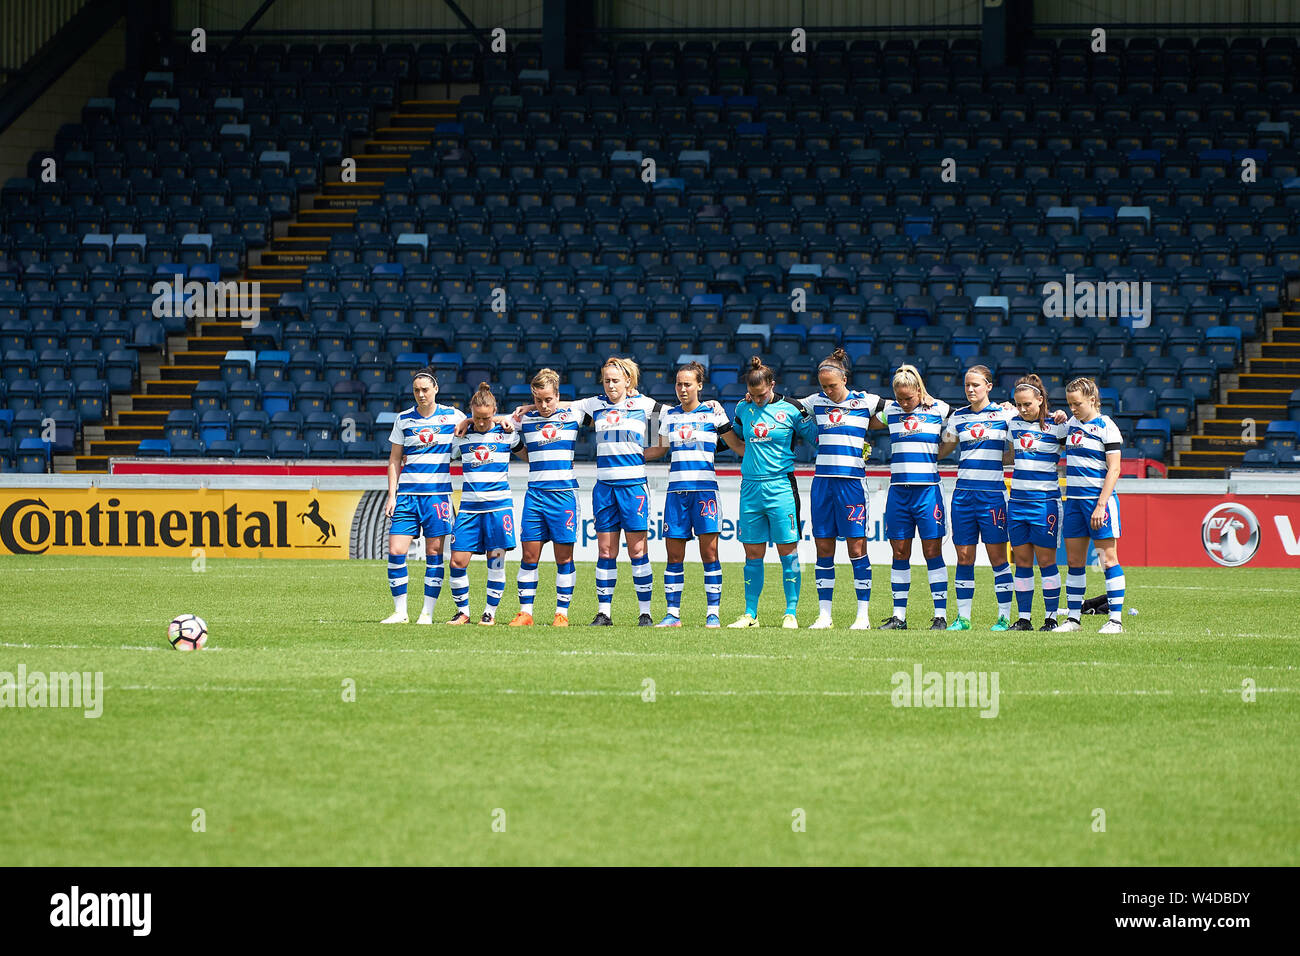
229,523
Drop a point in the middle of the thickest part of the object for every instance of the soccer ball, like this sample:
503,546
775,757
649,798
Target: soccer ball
187,632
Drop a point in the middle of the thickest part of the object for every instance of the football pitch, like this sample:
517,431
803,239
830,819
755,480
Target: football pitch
1172,744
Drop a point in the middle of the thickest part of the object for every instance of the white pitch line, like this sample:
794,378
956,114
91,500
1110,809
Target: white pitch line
652,655
765,692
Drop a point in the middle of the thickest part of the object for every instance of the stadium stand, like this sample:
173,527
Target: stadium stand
797,203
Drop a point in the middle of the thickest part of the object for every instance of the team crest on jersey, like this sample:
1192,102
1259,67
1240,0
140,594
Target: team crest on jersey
911,423
835,415
780,417
855,403
426,436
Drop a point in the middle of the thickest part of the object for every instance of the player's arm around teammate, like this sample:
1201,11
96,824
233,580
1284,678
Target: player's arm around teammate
839,489
915,502
419,492
1093,450
692,430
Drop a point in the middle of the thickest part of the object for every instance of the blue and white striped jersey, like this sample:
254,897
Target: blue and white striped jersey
1086,445
693,438
622,433
842,432
427,442
485,464
550,443
981,439
914,441
1038,450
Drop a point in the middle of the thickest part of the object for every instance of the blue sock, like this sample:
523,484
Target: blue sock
753,585
1115,590
792,578
938,573
496,583
862,581
566,575
1002,587
713,585
965,589
900,582
1024,584
432,582
824,572
606,582
460,588
1051,589
527,582
674,581
643,579
397,578
1076,586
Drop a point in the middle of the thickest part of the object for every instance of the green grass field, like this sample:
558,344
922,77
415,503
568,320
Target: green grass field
551,727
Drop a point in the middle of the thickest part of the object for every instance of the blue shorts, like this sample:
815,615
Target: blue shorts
979,515
910,509
1035,521
479,532
621,507
430,515
688,513
769,511
550,516
839,507
1078,519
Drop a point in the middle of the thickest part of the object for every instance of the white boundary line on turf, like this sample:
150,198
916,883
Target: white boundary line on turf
660,655
507,691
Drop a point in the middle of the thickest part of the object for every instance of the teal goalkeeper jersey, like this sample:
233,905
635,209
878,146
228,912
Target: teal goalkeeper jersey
768,432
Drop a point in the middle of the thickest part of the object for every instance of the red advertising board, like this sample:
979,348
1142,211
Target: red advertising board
1208,531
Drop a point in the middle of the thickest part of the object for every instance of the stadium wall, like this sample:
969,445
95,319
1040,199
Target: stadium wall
312,15
1243,522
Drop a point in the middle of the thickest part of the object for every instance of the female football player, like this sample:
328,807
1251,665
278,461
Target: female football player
915,502
769,496
486,523
1093,445
980,431
1034,509
419,491
839,489
551,502
691,507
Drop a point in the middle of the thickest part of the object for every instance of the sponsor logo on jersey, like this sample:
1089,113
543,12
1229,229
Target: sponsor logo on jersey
911,423
685,432
760,430
613,417
482,453
426,436
977,431
1076,438
835,415
1026,441
550,432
